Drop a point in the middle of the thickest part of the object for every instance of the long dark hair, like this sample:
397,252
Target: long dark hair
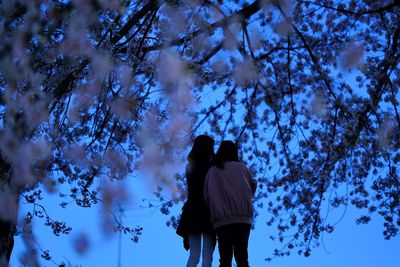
227,151
202,150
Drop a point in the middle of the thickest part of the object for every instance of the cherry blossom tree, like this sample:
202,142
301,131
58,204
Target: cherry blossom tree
92,90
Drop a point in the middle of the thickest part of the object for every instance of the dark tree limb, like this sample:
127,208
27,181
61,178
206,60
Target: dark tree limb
239,16
149,7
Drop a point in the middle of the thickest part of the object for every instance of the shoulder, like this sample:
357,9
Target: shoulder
242,165
188,168
236,165
192,166
212,169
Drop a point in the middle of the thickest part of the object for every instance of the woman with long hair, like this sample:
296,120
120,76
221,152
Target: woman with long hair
228,190
194,225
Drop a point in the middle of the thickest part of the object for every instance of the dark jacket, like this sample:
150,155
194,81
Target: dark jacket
195,217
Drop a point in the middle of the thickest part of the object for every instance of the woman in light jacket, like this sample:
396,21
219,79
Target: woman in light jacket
228,191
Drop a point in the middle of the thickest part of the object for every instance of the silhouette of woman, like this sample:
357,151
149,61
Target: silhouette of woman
228,190
194,224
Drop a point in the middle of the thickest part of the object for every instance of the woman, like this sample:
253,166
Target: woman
228,190
195,224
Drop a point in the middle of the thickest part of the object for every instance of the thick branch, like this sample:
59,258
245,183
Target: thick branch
239,16
149,7
210,54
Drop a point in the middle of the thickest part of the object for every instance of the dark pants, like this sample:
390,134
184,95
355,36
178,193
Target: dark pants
233,240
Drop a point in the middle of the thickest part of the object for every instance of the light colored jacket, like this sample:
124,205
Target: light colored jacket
228,193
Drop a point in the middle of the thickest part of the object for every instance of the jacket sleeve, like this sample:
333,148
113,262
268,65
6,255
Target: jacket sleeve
252,182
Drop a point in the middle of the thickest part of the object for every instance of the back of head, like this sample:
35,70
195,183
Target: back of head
203,149
227,151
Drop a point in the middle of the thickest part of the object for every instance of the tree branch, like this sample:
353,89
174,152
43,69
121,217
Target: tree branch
239,16
352,12
149,7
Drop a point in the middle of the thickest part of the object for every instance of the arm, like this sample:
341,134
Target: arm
252,182
189,181
205,189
